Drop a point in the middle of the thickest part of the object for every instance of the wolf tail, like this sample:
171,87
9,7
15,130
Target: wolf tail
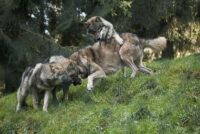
24,80
157,44
25,73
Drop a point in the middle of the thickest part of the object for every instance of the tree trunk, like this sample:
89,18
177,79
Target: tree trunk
169,51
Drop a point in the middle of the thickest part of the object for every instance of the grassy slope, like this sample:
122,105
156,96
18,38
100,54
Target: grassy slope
167,102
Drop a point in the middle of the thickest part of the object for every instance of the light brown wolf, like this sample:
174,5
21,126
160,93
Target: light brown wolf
97,61
44,78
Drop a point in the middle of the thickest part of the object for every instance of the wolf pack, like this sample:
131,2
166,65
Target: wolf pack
110,53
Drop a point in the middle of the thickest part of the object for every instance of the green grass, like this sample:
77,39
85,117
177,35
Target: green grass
166,102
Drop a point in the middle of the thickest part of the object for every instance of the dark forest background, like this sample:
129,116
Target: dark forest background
32,30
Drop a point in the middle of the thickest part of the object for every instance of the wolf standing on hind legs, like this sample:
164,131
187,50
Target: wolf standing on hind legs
105,30
131,52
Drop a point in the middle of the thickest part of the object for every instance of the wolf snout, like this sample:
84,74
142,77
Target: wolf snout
77,81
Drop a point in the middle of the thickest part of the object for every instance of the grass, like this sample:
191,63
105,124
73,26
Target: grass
167,102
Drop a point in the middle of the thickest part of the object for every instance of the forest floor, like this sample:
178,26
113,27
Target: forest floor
166,102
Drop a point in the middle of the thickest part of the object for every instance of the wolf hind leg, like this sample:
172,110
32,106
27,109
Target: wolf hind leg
145,69
134,69
128,53
132,65
142,68
21,97
124,71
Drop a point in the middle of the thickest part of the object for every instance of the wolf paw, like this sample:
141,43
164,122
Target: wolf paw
120,41
89,87
45,110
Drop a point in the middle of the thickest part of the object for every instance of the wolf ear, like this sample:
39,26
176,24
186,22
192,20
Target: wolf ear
98,19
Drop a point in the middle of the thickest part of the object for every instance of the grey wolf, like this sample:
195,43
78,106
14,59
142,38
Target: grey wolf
43,78
96,61
65,86
105,29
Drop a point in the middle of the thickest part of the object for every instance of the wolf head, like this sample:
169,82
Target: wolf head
92,22
60,73
72,71
61,66
94,26
56,73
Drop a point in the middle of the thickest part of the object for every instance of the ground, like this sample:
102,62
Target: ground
166,102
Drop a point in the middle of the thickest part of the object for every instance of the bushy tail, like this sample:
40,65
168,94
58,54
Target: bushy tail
157,44
23,88
23,81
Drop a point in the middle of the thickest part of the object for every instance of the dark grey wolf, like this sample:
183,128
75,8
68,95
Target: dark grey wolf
97,61
105,29
43,78
65,86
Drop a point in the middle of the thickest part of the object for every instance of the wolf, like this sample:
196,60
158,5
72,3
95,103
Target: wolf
98,60
65,86
44,78
105,29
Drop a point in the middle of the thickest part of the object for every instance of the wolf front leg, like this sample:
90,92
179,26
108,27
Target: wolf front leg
118,38
98,74
94,76
124,71
102,34
54,93
46,100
